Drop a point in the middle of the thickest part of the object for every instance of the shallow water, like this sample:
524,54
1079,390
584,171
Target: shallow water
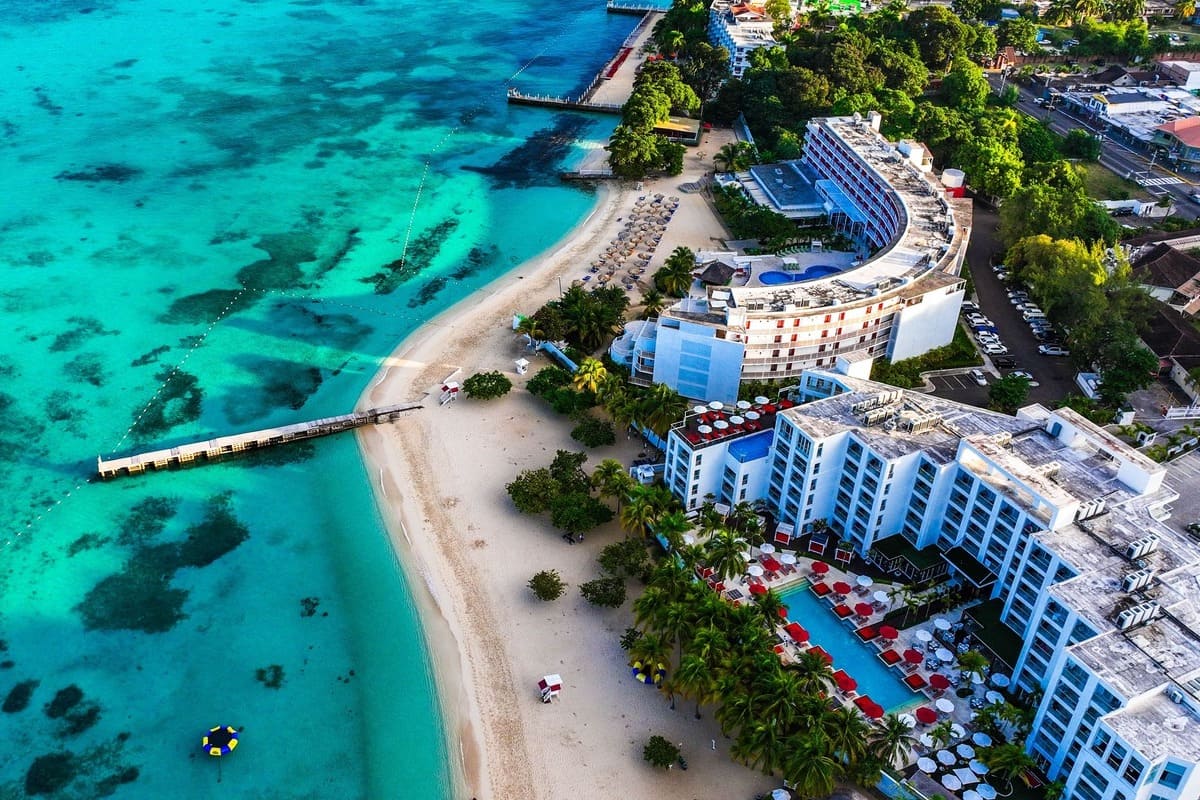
219,217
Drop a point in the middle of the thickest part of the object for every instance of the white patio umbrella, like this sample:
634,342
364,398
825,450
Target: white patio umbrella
952,783
971,794
720,424
994,697
743,404
755,570
699,409
965,750
926,740
864,581
927,765
924,636
944,656
943,705
781,794
752,414
1000,680
909,720
986,791
716,405
788,558
880,597
766,548
736,420
945,757
981,739
941,624
976,678
978,767
762,401
957,731
689,538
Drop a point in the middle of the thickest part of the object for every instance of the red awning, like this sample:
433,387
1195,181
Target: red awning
914,656
798,634
865,610
820,567
888,632
939,681
844,681
926,715
841,587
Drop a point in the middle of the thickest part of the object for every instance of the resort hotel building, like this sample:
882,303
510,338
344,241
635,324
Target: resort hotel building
1055,524
898,296
740,28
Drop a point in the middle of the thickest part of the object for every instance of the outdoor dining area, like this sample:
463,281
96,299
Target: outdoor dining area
717,420
627,258
956,766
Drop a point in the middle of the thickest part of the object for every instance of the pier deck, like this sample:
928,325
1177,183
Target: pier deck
239,444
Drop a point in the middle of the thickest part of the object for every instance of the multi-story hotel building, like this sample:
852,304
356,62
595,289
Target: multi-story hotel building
1058,523
740,28
899,302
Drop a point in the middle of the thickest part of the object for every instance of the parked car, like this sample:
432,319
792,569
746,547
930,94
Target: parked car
1004,361
1052,350
1032,315
1004,276
970,308
1020,373
998,268
977,376
996,350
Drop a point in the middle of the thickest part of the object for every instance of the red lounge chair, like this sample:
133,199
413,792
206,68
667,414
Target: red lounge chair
843,611
770,564
867,633
890,657
821,589
915,682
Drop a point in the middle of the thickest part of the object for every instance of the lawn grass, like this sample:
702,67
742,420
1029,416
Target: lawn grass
1102,183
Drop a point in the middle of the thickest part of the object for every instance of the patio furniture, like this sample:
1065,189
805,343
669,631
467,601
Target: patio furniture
889,657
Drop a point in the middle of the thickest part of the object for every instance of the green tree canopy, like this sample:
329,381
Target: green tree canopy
1019,33
487,385
547,585
965,87
939,35
992,168
1008,394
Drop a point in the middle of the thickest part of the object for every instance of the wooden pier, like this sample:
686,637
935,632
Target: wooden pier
223,447
518,98
625,7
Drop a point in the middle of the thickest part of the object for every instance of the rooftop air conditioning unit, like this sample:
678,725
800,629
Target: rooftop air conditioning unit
1126,619
1140,547
1175,694
1136,580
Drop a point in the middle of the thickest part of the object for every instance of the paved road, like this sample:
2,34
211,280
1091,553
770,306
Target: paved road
1054,375
1184,476
1118,156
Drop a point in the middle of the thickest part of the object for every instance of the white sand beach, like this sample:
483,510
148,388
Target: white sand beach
439,476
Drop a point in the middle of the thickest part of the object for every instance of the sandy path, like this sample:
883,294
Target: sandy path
439,476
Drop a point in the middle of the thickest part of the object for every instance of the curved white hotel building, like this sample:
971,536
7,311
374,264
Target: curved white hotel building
903,300
1089,594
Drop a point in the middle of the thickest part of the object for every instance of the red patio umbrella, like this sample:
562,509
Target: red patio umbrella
820,567
926,715
888,632
841,587
865,610
798,634
783,612
914,656
844,681
874,711
939,681
820,651
757,588
771,565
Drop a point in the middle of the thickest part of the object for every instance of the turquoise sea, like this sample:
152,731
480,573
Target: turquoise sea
218,217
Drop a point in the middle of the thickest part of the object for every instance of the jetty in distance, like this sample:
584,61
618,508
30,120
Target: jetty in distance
197,453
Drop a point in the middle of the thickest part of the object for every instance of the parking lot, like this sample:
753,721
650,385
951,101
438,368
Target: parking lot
1054,375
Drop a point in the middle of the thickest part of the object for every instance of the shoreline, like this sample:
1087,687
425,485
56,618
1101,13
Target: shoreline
438,478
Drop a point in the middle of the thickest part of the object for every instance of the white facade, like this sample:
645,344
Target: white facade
899,302
740,29
1044,512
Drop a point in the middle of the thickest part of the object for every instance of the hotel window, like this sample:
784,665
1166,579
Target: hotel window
1172,775
1133,772
1116,757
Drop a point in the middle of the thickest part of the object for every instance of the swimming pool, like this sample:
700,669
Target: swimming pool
774,278
884,685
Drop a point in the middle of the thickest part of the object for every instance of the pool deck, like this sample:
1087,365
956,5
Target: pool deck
804,576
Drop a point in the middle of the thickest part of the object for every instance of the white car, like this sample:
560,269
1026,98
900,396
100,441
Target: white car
1020,373
977,376
995,350
1053,350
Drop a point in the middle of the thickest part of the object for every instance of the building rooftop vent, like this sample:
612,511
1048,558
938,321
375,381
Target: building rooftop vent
1140,547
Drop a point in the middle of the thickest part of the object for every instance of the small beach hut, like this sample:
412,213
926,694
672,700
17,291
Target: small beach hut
549,687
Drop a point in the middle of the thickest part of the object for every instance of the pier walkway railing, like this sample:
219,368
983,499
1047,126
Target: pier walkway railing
631,7
223,447
517,97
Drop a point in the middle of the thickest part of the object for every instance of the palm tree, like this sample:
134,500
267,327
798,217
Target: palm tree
1009,761
640,512
664,407
1060,12
727,553
809,768
672,41
759,745
972,661
695,679
612,480
769,605
815,674
709,520
735,156
650,607
1185,9
674,277
892,741
942,733
651,650
589,375
530,327
847,731
652,303
782,689
1087,8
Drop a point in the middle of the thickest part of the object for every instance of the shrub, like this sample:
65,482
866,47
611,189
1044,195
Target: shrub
547,380
547,585
577,512
626,559
592,432
605,592
532,490
659,752
487,385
